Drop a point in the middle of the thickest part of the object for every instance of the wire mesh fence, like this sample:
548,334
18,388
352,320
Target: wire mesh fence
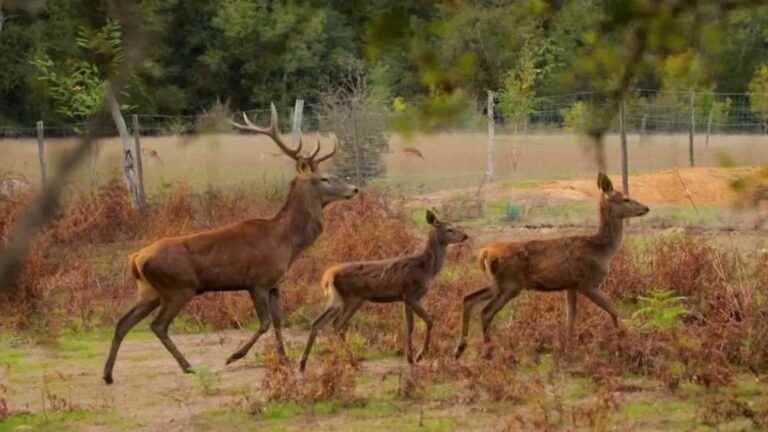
202,150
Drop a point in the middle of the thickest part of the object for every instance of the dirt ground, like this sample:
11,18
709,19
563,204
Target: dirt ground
702,185
62,389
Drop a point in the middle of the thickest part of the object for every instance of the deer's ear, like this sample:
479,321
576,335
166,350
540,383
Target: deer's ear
431,218
604,183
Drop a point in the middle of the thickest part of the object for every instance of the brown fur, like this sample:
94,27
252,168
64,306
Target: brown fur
576,264
252,256
401,279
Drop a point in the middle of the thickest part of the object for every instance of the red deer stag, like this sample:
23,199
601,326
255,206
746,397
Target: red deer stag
252,256
575,264
402,279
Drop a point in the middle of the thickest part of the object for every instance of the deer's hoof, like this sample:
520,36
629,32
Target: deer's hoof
108,379
460,350
235,357
189,370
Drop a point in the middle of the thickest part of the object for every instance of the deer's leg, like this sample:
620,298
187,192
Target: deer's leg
492,308
341,322
470,301
349,309
260,298
169,310
600,301
416,306
329,314
126,323
408,332
572,301
276,313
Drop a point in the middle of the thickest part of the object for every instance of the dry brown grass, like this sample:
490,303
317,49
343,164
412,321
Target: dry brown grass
68,282
450,160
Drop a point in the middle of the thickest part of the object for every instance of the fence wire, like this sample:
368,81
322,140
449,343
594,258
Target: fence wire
544,145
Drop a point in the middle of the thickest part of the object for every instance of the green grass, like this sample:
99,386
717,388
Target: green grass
11,353
666,414
685,214
67,421
227,419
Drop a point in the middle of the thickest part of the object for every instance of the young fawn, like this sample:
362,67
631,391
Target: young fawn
402,279
577,265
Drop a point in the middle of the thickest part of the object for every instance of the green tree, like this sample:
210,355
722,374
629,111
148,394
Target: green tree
517,98
758,88
77,85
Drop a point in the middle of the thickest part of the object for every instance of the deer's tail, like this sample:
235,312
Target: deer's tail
328,283
487,262
145,290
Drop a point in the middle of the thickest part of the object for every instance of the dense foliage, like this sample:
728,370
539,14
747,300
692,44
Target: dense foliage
250,52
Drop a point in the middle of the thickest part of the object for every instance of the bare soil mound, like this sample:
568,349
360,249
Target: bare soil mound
706,185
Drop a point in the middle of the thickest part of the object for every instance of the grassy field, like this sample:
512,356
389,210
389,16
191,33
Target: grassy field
451,160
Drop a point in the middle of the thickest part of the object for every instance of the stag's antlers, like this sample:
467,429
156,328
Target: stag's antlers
273,131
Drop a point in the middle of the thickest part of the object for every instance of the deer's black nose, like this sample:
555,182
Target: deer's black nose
355,190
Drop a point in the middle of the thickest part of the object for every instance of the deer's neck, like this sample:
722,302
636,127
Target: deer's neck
433,255
610,232
300,221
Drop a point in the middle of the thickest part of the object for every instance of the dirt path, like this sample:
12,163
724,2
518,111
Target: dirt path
150,393
149,388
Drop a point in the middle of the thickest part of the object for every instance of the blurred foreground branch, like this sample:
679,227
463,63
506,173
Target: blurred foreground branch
43,209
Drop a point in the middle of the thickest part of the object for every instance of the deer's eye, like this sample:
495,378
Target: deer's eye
324,179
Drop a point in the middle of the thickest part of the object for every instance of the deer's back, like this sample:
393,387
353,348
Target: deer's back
544,265
236,256
383,280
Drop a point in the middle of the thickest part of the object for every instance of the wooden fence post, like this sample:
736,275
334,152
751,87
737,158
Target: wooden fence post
491,138
709,125
298,114
624,156
692,129
138,157
129,158
41,152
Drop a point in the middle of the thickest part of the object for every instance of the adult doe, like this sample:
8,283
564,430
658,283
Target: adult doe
252,256
577,265
402,279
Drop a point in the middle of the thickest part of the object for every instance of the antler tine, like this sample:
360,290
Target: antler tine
333,152
249,123
317,150
275,135
273,131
